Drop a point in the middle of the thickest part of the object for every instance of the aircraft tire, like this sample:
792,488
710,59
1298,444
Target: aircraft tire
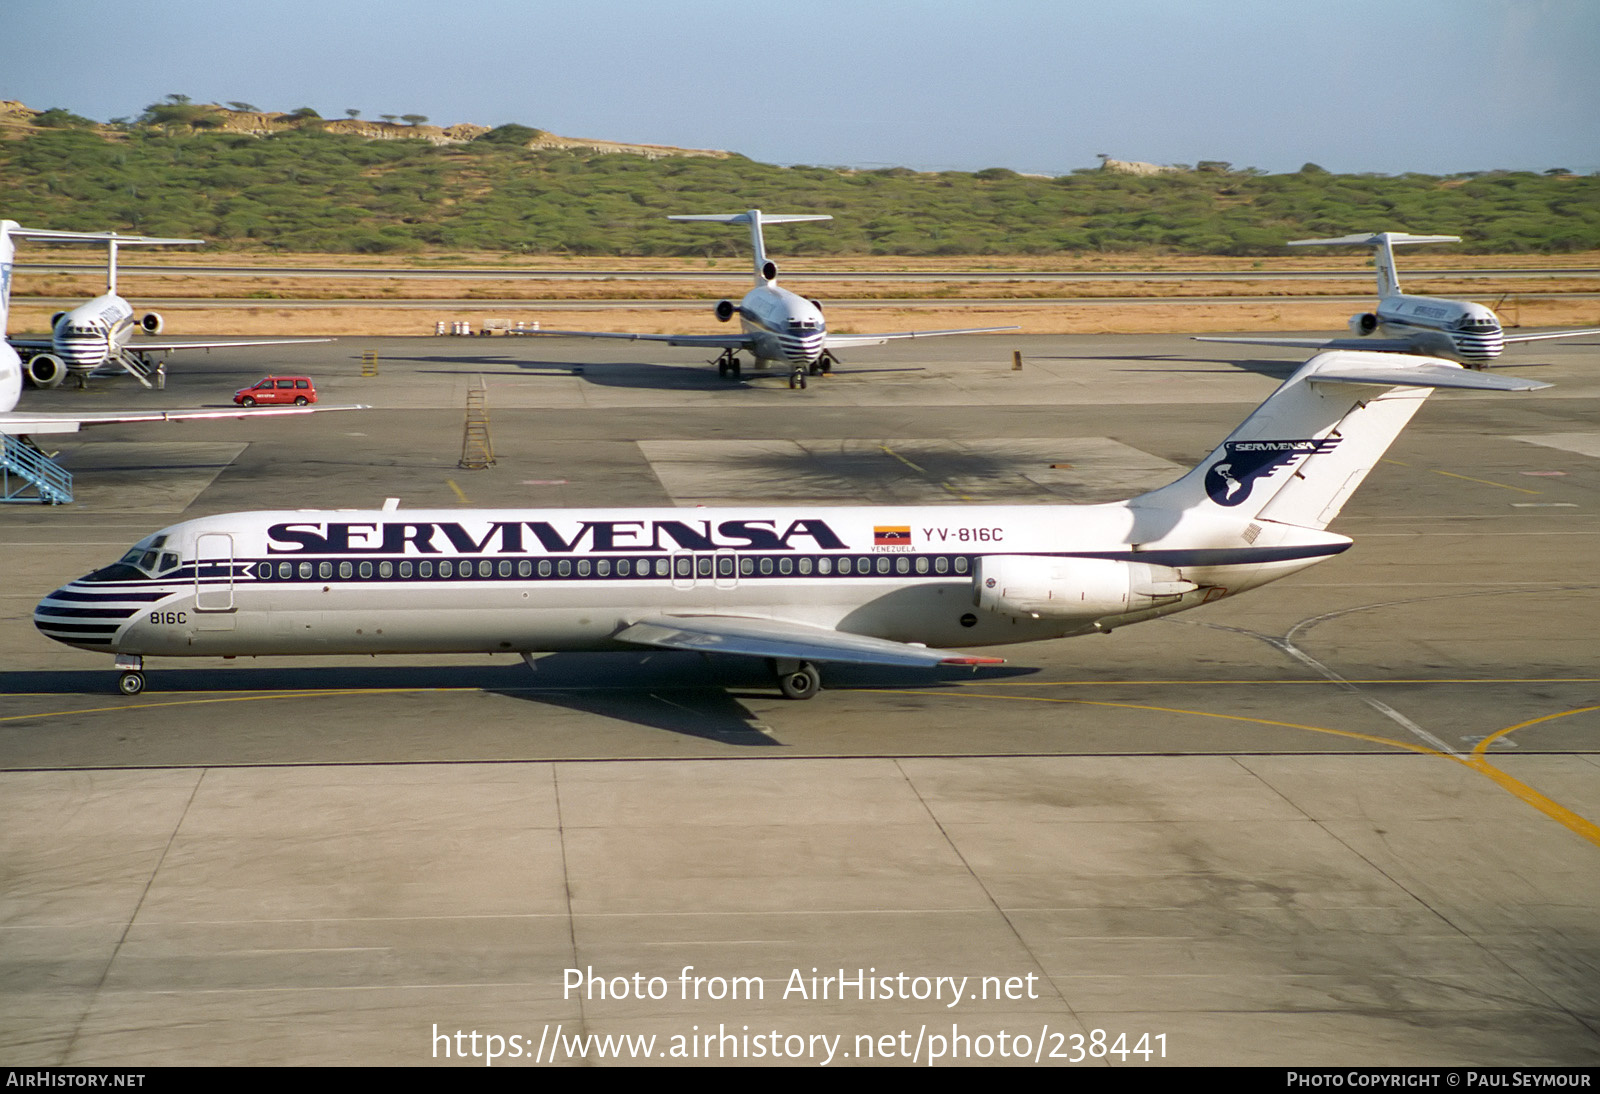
800,683
131,683
722,369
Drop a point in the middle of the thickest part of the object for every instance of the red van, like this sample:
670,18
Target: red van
275,390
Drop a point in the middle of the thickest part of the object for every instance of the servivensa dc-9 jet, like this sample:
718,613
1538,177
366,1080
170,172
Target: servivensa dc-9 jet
894,585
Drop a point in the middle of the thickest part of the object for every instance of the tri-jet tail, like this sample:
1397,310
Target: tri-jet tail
1383,243
10,229
1300,456
765,270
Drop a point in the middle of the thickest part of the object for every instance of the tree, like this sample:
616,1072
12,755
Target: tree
353,113
57,118
414,119
245,108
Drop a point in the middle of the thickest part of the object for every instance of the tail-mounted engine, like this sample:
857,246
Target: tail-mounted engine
1363,324
151,323
1036,587
725,310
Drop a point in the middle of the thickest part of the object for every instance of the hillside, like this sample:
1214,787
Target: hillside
253,180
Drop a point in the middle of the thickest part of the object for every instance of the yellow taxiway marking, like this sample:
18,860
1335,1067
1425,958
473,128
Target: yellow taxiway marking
225,699
922,470
452,484
1476,762
1486,482
1468,478
1552,809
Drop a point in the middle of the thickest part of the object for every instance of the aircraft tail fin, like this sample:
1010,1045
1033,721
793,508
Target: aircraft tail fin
1297,459
111,239
1383,243
765,270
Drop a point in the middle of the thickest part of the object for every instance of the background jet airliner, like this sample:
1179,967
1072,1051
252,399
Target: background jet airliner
17,454
887,585
778,326
1457,329
100,332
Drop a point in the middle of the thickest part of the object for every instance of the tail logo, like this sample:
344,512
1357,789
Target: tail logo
1230,480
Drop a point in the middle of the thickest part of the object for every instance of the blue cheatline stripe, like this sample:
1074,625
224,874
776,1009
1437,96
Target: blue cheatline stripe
697,567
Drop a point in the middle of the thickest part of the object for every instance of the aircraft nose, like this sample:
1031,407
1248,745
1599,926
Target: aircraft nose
78,617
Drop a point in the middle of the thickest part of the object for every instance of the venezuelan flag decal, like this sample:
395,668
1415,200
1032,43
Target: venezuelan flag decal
897,536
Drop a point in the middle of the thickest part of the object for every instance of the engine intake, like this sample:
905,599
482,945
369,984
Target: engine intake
1363,324
725,310
46,370
151,322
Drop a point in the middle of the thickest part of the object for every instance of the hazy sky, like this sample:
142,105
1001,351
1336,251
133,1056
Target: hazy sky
1437,86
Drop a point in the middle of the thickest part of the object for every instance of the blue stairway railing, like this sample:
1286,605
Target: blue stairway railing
26,474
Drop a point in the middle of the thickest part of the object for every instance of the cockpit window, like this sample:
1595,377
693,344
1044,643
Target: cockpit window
139,563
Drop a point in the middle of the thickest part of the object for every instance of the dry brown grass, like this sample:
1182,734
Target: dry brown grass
1134,306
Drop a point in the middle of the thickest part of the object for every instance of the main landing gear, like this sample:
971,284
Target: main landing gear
797,679
131,682
727,364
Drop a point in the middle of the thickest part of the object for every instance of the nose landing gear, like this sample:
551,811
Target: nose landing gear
131,682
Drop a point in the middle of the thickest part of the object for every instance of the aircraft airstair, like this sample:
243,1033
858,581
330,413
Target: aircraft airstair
26,474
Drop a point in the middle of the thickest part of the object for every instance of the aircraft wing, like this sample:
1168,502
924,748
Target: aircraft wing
29,343
701,341
19,422
785,640
171,347
1552,334
1381,345
851,341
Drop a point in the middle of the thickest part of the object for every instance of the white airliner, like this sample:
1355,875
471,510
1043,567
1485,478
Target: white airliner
779,327
19,424
798,586
100,332
1457,329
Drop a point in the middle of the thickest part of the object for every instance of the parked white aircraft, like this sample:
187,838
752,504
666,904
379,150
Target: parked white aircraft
778,326
22,424
100,332
892,585
1457,329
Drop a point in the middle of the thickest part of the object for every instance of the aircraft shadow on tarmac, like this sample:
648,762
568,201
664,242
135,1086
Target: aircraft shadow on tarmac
681,693
1278,370
643,375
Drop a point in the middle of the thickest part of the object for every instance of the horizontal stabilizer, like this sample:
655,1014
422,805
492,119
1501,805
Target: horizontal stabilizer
1372,239
745,218
1430,372
785,640
96,237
